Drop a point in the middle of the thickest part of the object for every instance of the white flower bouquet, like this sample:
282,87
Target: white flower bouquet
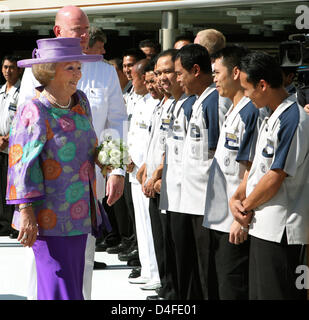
112,154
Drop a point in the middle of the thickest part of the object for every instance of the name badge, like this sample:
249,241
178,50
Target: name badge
142,125
166,121
231,137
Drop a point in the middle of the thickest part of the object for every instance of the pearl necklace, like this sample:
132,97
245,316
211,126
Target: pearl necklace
52,100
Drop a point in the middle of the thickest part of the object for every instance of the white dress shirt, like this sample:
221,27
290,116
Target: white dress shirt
198,150
8,105
283,144
235,147
138,135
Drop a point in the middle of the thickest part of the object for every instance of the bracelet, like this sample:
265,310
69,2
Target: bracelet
24,206
246,212
244,229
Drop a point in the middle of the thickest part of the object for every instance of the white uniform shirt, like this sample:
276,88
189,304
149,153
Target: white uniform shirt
236,144
198,151
101,85
171,176
283,144
8,105
160,121
138,135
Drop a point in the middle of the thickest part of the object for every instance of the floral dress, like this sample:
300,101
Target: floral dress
51,164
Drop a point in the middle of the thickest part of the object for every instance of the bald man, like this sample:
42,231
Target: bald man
101,85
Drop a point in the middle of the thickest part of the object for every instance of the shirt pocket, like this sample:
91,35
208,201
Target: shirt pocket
164,128
231,148
177,148
196,144
96,96
267,155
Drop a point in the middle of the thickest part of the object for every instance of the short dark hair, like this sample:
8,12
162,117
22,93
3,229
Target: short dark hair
288,70
169,52
186,37
150,66
136,53
231,55
11,58
150,43
192,54
260,65
96,34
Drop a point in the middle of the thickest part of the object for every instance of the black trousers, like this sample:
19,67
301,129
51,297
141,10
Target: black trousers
127,196
272,270
121,216
228,271
6,211
188,243
162,247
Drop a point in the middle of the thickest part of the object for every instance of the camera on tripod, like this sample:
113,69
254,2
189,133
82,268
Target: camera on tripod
295,53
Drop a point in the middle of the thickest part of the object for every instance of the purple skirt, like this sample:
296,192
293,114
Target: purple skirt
60,267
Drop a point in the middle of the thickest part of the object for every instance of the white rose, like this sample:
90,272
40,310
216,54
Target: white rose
103,157
116,154
114,144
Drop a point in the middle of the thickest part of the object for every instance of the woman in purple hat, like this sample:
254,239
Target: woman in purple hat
51,177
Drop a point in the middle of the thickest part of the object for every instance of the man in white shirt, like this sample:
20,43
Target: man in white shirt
171,175
138,137
100,83
165,75
194,73
273,196
229,248
128,250
8,102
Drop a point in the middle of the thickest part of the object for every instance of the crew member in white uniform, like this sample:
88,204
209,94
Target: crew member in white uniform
165,74
8,103
172,170
138,137
100,83
194,73
273,197
171,189
129,58
229,248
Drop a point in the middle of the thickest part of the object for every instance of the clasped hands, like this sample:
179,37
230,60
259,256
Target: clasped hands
240,226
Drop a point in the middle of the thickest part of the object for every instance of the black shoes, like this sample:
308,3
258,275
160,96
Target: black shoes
128,256
135,273
134,263
99,265
101,246
121,247
14,234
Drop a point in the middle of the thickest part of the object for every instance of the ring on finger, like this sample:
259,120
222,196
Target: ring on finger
244,229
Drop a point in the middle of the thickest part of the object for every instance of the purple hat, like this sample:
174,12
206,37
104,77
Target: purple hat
58,50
